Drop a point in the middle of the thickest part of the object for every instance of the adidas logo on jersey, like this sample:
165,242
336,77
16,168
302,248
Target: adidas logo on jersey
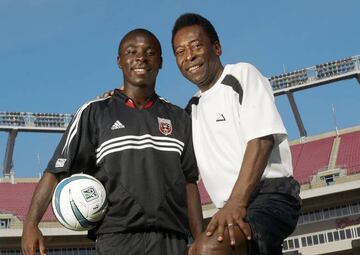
221,118
117,125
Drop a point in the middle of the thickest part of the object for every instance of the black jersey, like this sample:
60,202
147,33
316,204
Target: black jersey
144,158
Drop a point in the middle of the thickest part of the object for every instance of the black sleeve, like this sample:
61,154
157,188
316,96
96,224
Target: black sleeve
193,100
76,151
188,160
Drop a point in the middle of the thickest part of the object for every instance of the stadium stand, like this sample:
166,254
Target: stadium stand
15,199
349,152
310,157
330,215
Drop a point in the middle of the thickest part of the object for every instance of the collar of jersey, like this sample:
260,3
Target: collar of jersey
130,102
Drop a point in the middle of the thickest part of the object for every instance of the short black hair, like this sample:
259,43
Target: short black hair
190,19
139,31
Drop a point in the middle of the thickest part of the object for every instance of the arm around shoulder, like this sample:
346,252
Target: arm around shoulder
194,209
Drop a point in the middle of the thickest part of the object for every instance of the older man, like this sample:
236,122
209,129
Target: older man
240,145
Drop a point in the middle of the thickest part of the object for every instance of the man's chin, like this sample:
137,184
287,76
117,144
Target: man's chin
195,79
142,83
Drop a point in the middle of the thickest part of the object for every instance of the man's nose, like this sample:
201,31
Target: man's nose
190,56
140,56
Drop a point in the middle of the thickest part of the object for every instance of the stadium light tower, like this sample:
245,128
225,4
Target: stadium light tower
288,83
14,122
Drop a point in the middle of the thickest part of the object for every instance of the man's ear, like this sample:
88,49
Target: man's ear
217,48
118,62
161,62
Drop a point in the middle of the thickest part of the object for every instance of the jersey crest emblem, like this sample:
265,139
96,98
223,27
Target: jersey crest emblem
165,126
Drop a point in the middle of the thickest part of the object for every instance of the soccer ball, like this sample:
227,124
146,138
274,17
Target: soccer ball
79,202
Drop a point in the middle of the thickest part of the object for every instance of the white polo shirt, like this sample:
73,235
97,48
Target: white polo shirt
238,108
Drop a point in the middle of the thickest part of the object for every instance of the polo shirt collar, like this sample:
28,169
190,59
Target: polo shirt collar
129,102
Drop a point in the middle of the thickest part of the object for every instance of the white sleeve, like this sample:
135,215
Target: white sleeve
258,114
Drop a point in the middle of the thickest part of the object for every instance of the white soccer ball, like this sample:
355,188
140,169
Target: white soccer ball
79,202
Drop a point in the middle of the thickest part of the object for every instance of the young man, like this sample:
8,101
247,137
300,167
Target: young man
240,145
140,147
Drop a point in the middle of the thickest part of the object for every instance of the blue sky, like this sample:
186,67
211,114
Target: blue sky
56,55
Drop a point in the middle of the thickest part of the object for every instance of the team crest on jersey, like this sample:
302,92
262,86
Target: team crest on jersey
165,126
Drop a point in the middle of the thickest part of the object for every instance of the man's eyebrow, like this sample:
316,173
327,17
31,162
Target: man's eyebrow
126,46
192,41
138,45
